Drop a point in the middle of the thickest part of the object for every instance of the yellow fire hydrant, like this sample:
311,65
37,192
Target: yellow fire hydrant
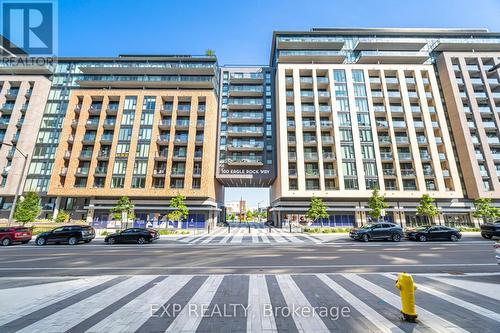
407,292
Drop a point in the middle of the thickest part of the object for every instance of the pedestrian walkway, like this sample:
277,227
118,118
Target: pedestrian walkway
249,233
248,303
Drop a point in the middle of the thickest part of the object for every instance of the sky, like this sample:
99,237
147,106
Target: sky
240,31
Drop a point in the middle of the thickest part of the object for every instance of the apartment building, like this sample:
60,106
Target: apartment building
471,88
359,109
246,127
23,96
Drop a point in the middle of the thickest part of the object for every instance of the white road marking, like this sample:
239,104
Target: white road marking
376,318
76,313
186,321
295,298
486,289
28,299
133,314
258,298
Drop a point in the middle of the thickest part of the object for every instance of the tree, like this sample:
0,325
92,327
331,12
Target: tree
180,211
210,53
28,209
317,210
123,205
232,217
377,204
250,215
62,216
427,208
484,210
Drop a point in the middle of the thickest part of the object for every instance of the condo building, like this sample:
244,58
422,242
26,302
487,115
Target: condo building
246,127
359,109
472,92
23,96
335,114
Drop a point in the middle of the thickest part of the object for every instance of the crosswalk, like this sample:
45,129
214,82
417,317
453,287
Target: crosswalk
342,302
240,235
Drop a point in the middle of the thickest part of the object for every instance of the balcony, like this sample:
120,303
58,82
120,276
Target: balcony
106,139
181,124
402,140
290,124
166,110
85,155
161,155
308,125
247,77
329,172
312,173
200,124
245,103
306,80
484,109
425,156
159,173
109,123
88,139
163,140
245,131
379,108
178,172
325,108
489,124
310,156
10,153
292,155
323,95
7,108
326,123
78,108
15,138
404,156
290,108
201,109
308,109
394,94
418,124
428,172
95,110
493,140
317,56
292,172
438,140
442,156
12,93
399,124
183,109
82,172
67,155
408,173
245,117
388,172
432,109
63,172
244,160
181,141
196,172
386,156
245,146
310,141
103,155
24,108
179,156
246,90
327,140
496,156
164,124
328,156
446,173
112,109
91,124
71,139
382,123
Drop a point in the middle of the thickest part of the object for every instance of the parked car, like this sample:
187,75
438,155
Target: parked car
10,235
489,230
428,232
71,234
133,235
497,251
377,231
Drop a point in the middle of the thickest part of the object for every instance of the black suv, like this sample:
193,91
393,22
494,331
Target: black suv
489,230
133,235
71,234
377,231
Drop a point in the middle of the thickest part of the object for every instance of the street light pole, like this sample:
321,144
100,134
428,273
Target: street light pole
19,185
258,209
494,68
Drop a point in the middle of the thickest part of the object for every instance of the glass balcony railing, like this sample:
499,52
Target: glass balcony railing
404,156
249,89
247,144
310,156
246,115
235,129
244,159
244,101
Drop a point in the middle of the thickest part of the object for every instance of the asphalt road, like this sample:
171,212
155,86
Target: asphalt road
166,257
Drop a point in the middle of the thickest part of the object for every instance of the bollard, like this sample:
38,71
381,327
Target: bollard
249,228
209,229
269,228
407,292
228,228
290,227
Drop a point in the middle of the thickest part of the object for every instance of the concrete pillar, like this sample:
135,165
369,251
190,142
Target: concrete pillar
57,204
90,215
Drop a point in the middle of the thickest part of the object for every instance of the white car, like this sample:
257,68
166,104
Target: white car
497,251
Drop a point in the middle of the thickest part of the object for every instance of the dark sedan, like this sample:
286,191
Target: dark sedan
71,234
377,231
133,235
425,233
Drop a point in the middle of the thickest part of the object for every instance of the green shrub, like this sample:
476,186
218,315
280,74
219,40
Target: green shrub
104,233
333,230
469,229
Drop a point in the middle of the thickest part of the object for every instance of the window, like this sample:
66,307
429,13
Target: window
342,104
130,103
117,182
120,167
144,133
351,184
368,152
147,118
142,150
370,169
122,149
140,167
125,134
339,75
359,90
347,152
149,103
345,135
341,90
365,135
344,119
361,105
196,183
138,182
349,168
357,76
